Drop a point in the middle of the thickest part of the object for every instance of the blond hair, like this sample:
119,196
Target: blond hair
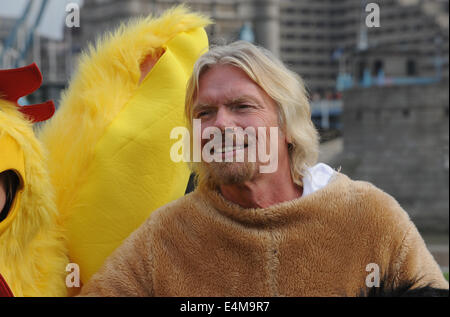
285,87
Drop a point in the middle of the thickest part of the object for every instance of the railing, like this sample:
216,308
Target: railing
345,81
323,110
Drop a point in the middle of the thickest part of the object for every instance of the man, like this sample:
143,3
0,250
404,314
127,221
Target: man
298,230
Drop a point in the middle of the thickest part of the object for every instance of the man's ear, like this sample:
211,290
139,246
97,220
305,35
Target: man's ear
288,137
289,142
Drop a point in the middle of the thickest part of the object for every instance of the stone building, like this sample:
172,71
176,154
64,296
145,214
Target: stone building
229,16
306,34
397,137
312,31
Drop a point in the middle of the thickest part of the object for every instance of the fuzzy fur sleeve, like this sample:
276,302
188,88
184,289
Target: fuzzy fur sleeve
405,254
127,272
415,262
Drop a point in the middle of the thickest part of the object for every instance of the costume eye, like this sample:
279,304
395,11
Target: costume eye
9,183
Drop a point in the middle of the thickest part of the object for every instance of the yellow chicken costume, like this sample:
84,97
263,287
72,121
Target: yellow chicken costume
109,142
108,151
33,254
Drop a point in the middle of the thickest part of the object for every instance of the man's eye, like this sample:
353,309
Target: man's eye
203,114
241,107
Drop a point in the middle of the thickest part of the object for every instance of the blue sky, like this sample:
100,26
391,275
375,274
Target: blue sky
52,22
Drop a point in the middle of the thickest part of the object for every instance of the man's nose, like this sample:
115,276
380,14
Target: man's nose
223,119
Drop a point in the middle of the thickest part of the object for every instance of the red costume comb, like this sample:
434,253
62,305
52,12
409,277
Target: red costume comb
19,82
5,291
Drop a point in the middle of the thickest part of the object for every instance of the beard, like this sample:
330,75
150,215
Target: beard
228,173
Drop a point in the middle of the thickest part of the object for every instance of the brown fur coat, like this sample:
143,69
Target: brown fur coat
318,245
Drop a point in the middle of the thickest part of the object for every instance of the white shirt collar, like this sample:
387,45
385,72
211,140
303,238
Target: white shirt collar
316,177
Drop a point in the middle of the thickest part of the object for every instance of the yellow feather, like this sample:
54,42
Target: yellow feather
106,117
